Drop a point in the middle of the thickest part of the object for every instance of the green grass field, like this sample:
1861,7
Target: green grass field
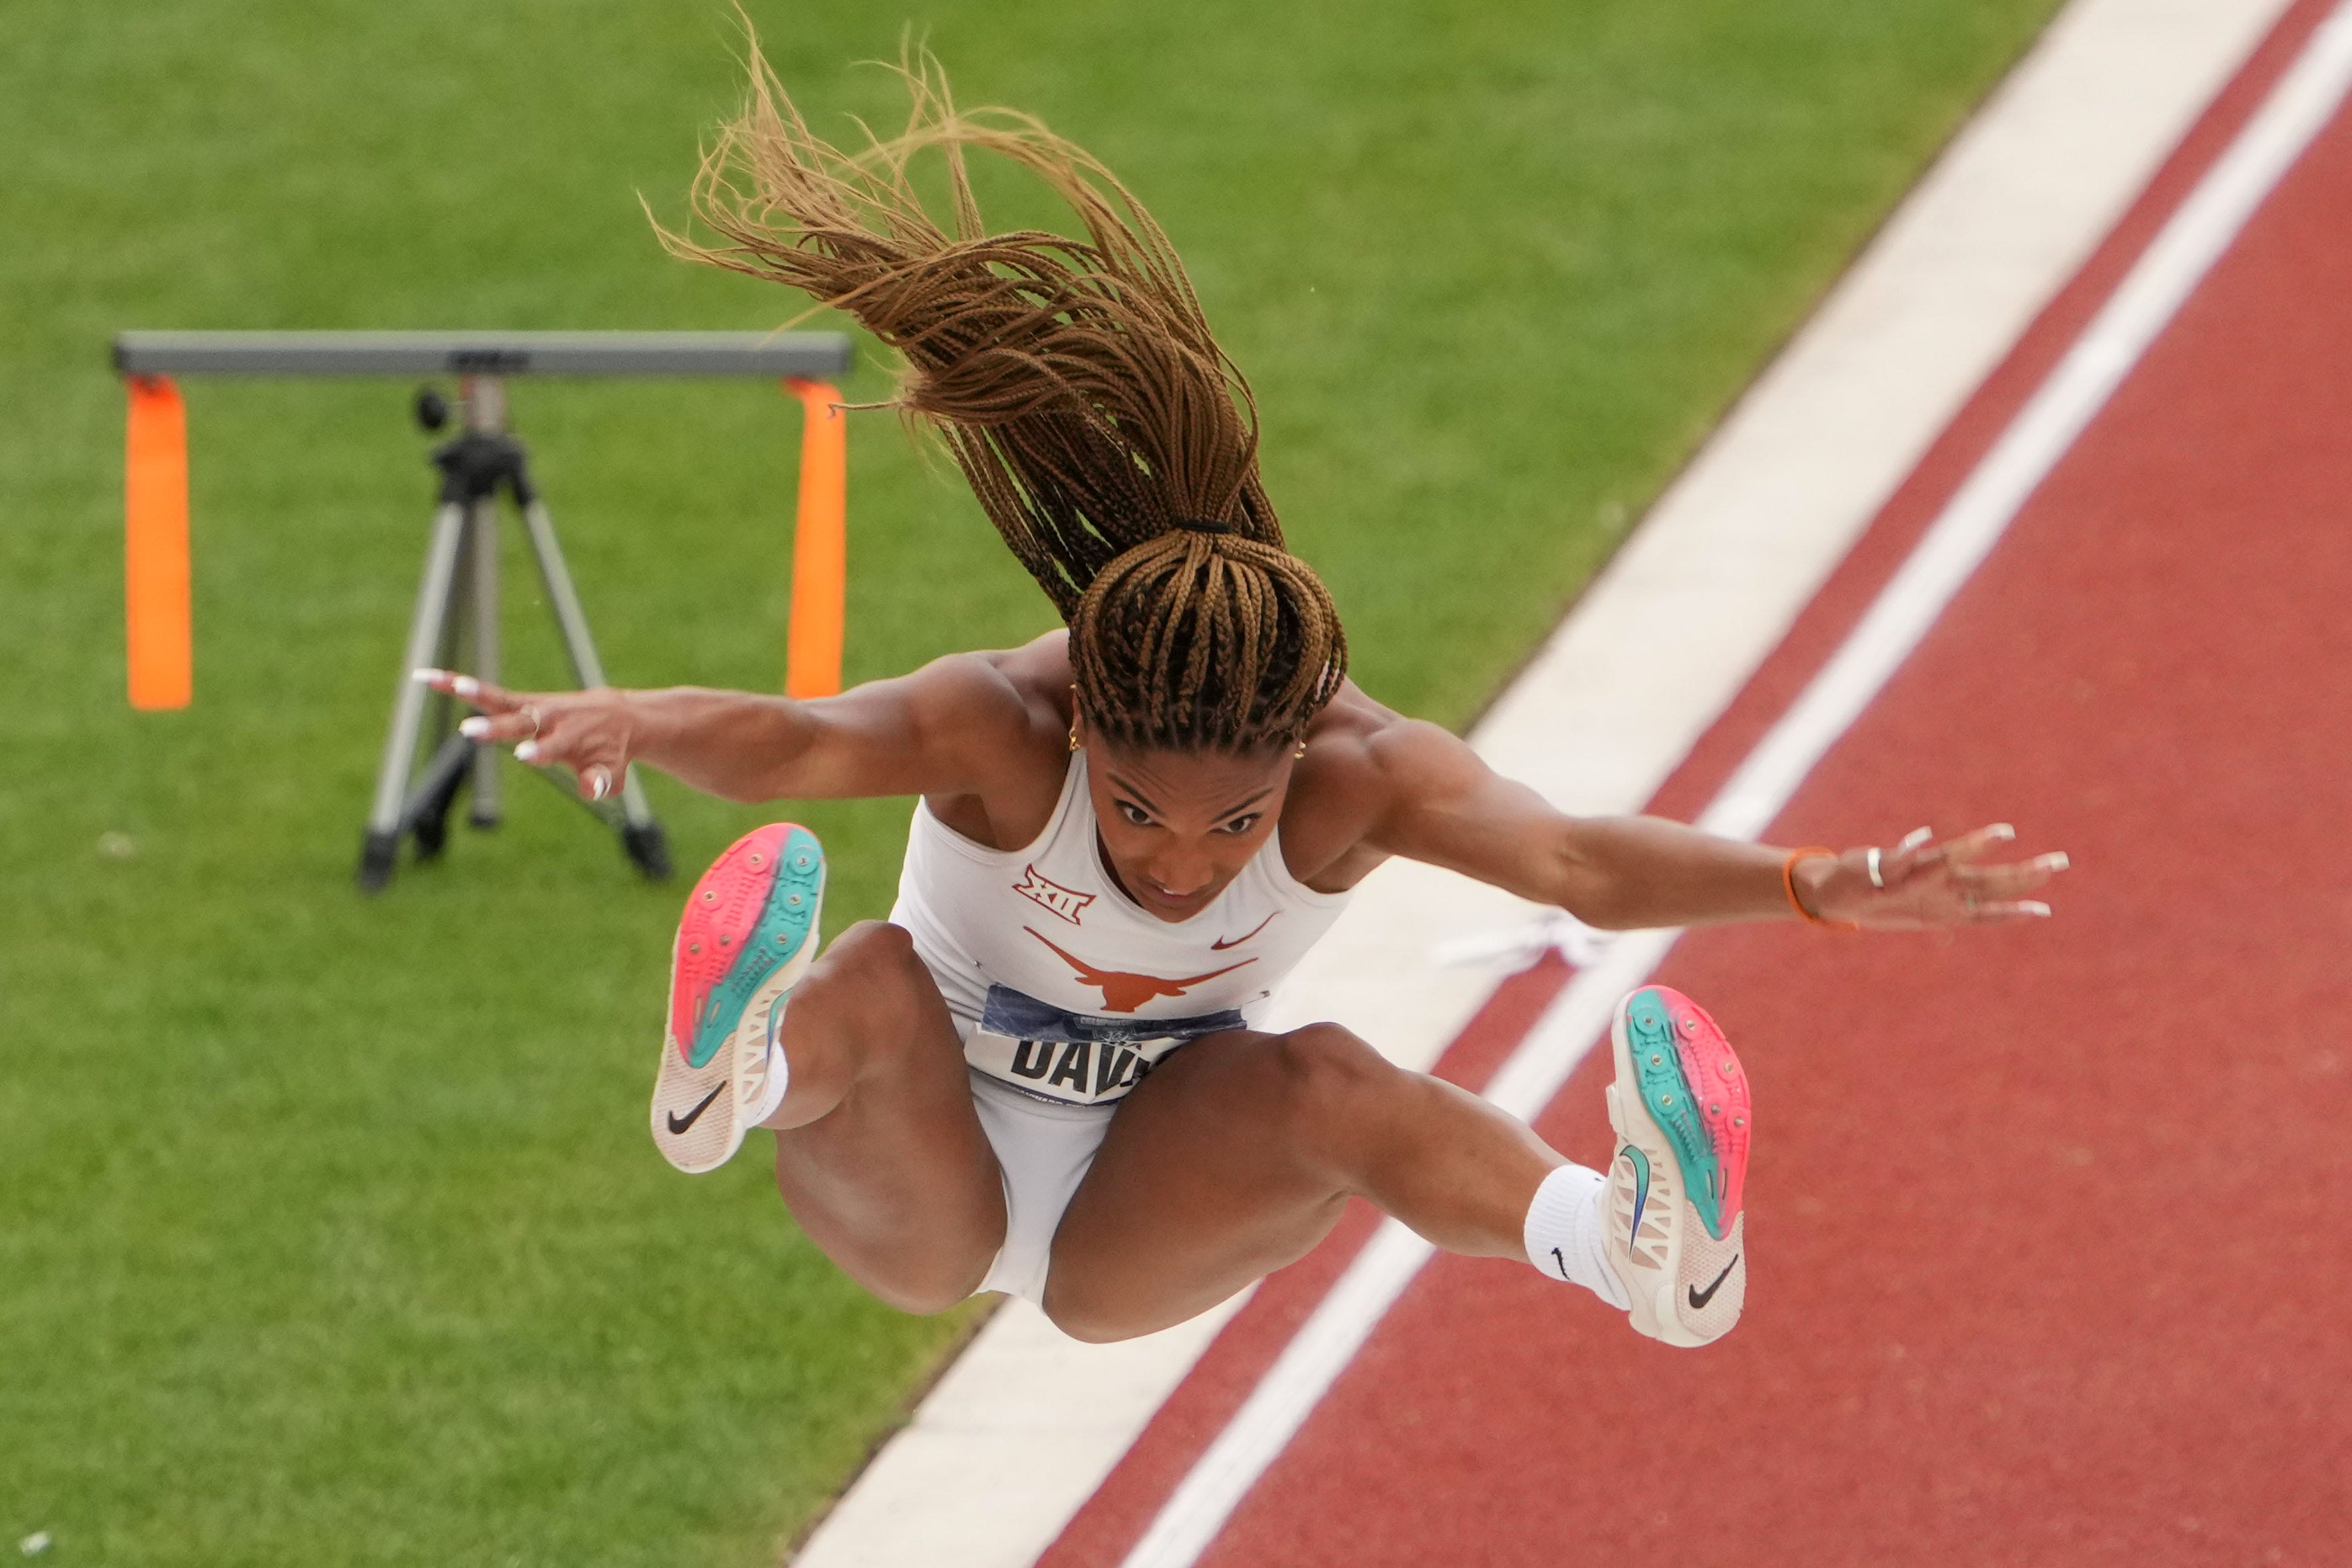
329,1229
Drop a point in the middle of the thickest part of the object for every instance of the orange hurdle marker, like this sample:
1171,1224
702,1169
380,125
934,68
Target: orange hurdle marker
155,545
820,545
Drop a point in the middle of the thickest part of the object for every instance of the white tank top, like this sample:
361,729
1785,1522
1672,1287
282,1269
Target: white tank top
1065,988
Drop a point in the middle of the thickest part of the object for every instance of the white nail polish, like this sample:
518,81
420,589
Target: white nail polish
600,787
425,674
2033,907
1915,837
2000,830
466,686
475,728
2054,861
527,752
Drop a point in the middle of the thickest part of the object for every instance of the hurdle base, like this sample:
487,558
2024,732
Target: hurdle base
647,848
378,854
455,626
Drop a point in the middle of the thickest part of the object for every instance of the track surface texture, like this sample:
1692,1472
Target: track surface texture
2048,1228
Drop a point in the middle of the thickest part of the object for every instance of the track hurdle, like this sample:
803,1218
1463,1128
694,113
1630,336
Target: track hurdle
457,619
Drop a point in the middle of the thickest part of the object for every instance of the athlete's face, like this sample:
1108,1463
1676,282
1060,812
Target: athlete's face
1177,826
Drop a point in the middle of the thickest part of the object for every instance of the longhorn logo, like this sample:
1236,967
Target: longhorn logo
1122,991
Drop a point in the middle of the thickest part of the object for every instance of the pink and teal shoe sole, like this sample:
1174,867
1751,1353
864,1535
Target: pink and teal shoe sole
751,913
1692,1086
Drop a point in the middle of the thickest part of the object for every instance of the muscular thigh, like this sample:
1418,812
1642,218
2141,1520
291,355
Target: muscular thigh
886,1168
1203,1185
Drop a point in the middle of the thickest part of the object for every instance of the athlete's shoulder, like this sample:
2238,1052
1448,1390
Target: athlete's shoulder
1036,678
1389,784
1371,750
992,698
992,716
989,688
1367,763
1040,666
1342,790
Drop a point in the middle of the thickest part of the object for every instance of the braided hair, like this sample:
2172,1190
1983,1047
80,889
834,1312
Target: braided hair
1076,386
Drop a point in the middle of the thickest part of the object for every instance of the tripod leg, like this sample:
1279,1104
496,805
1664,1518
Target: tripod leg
441,709
483,534
641,836
577,643
425,627
429,817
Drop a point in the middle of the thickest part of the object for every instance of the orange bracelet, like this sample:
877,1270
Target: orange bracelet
1789,886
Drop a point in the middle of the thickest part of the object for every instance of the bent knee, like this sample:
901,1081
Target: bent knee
870,949
869,970
1090,1322
1091,1331
1321,1062
923,1295
865,1009
1329,1082
923,1281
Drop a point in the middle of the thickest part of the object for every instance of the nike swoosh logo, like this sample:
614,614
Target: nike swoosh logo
680,1123
1220,945
1699,1299
1641,1192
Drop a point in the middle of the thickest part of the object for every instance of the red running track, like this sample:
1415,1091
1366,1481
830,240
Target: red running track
2051,1261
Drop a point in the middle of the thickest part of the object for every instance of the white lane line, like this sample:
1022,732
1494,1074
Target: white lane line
2299,107
2199,233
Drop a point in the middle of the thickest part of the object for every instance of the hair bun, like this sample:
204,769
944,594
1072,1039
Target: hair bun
1075,384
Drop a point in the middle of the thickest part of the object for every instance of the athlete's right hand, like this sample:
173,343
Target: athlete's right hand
588,732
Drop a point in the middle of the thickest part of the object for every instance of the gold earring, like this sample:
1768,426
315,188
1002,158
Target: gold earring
1073,737
1302,747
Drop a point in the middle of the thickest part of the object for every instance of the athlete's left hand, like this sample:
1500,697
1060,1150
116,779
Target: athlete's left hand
1926,883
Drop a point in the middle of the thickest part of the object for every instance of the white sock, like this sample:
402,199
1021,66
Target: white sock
1564,1230
772,1095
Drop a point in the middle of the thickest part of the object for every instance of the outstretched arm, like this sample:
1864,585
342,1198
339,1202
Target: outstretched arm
1445,806
931,732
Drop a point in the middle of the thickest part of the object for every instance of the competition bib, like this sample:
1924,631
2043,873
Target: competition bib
1075,1059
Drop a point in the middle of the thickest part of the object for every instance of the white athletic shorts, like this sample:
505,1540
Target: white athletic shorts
1044,1151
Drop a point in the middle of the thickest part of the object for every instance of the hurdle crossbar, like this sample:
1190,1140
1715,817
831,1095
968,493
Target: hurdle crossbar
776,355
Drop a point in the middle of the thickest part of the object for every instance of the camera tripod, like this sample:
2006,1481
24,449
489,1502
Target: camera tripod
455,626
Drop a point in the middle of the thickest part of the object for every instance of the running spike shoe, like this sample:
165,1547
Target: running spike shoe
749,933
1676,1235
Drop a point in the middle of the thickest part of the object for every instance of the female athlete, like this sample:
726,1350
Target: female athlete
1040,1076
